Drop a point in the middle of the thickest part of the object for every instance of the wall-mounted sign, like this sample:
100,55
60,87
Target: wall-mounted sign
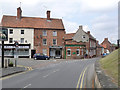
3,34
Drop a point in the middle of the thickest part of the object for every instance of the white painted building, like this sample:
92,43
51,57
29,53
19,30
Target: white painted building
25,38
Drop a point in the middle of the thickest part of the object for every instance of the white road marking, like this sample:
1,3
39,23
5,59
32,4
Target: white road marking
27,85
50,73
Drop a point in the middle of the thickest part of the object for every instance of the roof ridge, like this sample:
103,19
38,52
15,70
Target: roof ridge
33,17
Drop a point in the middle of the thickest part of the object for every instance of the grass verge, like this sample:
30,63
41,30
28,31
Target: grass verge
110,65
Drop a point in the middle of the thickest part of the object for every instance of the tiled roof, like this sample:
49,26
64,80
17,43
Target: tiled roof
69,36
32,22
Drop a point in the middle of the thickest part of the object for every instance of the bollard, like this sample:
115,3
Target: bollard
15,63
8,62
5,63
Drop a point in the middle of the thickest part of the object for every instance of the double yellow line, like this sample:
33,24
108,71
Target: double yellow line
27,69
80,80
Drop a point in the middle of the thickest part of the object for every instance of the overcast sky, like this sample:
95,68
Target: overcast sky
100,17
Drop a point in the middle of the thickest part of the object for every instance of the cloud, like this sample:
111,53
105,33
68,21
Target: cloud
98,6
105,26
71,27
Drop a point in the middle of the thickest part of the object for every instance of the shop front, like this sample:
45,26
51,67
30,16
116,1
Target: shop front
55,51
23,50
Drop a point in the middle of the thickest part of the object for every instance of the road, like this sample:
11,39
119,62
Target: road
63,74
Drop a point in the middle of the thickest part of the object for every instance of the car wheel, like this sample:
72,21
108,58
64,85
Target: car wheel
46,58
35,58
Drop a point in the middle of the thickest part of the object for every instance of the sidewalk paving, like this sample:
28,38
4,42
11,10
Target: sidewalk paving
10,70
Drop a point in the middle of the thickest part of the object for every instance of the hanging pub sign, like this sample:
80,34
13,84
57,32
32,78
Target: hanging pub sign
3,34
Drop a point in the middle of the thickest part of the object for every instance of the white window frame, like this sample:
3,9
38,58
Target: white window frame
83,36
10,30
44,33
21,40
82,51
44,51
78,51
9,40
70,52
53,41
54,33
43,42
23,31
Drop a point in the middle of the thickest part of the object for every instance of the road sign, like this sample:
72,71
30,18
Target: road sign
3,34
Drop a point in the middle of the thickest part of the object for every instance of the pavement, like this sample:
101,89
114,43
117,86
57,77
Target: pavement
104,79
56,74
11,70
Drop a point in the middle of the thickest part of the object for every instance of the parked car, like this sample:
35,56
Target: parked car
40,56
104,54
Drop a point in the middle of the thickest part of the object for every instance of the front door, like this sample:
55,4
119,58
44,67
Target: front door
58,53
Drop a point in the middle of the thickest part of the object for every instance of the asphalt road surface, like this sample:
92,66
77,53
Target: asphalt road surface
64,74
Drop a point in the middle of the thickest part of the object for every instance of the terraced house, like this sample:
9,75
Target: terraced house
34,34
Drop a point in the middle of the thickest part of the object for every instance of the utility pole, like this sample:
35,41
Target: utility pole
118,42
2,54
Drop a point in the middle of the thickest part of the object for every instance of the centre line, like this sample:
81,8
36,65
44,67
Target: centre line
27,85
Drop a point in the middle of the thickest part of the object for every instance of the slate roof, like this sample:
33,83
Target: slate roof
31,22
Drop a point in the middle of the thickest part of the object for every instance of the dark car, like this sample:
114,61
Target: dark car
40,56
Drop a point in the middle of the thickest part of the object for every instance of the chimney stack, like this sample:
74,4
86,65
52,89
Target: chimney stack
19,13
106,39
88,32
48,15
80,27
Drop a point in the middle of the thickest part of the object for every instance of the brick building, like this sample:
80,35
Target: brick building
73,48
108,47
36,35
99,49
91,45
80,43
48,36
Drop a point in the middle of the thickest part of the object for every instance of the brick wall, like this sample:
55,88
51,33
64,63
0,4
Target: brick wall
38,39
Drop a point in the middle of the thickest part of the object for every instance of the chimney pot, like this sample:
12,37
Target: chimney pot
19,13
48,15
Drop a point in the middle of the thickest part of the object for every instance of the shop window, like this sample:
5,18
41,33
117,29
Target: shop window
68,52
78,52
45,51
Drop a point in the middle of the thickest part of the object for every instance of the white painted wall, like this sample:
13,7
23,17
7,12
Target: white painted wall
28,35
